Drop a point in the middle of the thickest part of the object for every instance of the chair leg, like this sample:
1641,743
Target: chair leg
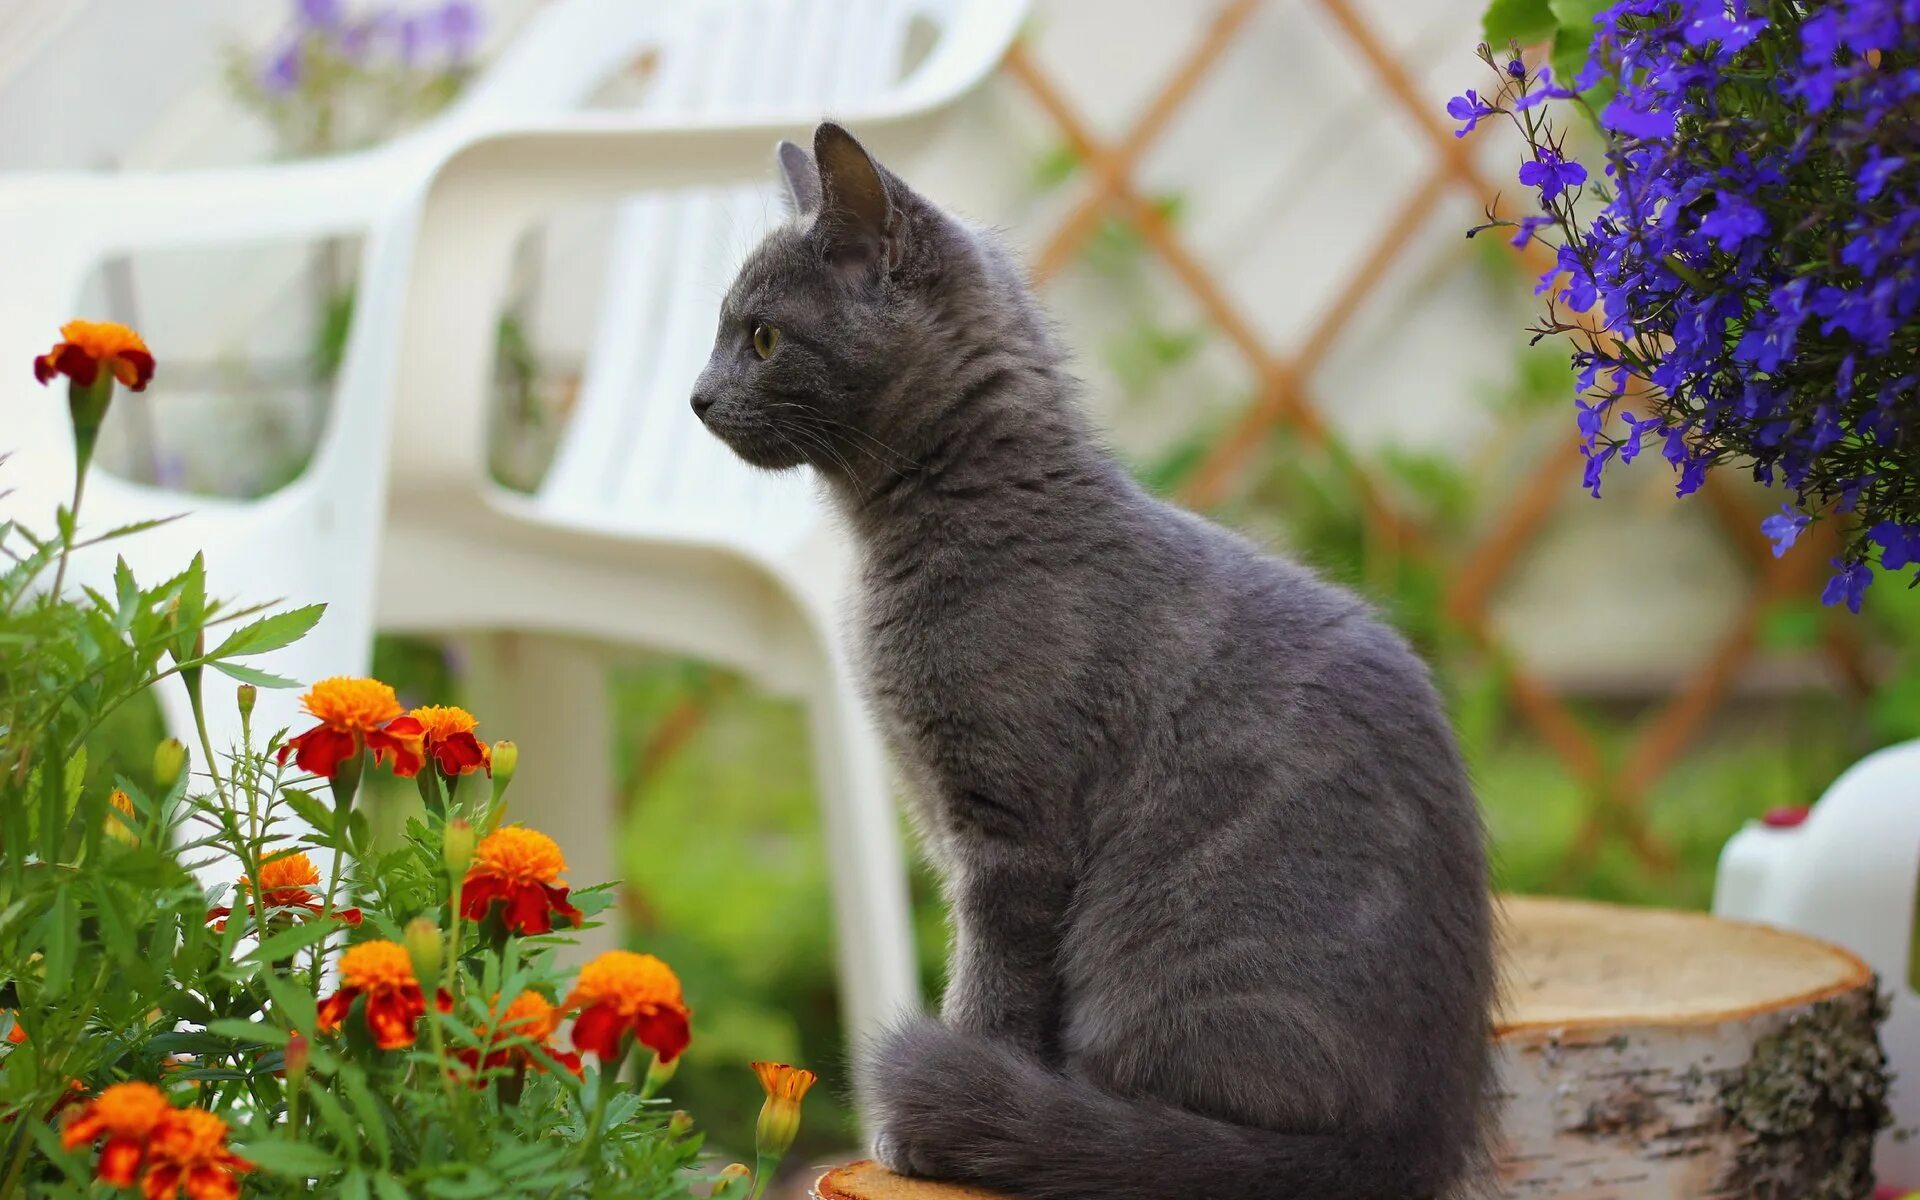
879,976
549,694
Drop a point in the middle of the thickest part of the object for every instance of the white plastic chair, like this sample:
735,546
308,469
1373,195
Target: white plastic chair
647,532
1846,870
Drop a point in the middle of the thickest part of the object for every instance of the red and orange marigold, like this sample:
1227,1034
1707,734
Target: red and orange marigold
449,738
354,713
382,972
286,881
531,1018
188,1153
87,347
126,1116
621,993
520,868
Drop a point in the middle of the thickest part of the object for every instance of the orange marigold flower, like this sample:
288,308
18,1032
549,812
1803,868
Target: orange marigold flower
188,1153
621,992
531,1018
285,880
780,1115
354,713
127,1115
87,346
18,1033
521,868
383,973
783,1082
450,741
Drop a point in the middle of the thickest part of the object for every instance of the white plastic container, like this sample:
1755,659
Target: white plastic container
1846,872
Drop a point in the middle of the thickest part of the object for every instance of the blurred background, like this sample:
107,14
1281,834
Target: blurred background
1248,219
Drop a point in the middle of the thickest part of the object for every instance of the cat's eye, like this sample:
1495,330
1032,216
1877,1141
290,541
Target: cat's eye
765,338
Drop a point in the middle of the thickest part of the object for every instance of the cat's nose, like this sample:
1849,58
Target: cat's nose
702,401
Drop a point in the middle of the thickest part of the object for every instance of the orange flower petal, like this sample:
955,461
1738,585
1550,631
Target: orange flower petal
597,1031
391,1017
460,754
134,369
320,750
84,1127
333,1009
477,895
664,1030
120,1161
162,1182
397,743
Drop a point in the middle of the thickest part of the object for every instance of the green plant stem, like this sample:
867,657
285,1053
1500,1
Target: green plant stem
763,1166
248,855
66,538
444,1066
609,1079
18,1165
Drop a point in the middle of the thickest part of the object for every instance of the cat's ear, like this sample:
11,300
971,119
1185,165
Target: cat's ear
857,215
803,178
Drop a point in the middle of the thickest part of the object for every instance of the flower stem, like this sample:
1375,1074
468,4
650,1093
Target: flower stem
18,1164
66,539
763,1166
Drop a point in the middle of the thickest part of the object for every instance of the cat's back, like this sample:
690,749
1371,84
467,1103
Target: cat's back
1304,677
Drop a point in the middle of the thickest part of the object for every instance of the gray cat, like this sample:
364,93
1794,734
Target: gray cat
1218,881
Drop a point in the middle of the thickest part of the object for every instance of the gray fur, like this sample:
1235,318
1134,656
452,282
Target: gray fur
1222,923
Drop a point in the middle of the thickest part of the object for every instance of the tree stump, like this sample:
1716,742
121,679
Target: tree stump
1650,1055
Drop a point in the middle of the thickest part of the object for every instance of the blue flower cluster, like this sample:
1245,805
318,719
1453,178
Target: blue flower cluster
1752,279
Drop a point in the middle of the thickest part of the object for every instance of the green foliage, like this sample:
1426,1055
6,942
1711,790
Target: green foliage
119,965
1567,24
1520,22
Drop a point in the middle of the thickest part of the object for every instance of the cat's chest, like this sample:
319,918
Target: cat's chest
926,656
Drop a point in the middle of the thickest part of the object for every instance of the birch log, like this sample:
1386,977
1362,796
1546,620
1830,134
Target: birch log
1650,1055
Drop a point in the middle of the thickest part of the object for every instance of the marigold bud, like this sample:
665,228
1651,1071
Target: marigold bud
659,1075
298,1053
169,760
505,757
246,694
732,1181
426,947
122,818
456,846
780,1116
680,1124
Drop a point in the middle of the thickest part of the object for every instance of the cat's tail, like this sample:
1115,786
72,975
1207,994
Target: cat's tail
969,1109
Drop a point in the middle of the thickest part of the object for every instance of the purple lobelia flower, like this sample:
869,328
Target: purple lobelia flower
1733,221
1551,173
1754,260
1783,528
1469,108
460,29
321,14
283,71
1848,585
1542,91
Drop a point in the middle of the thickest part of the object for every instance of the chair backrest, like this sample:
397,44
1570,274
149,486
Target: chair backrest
634,451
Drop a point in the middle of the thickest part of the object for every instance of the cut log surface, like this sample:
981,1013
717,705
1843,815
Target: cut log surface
1652,1055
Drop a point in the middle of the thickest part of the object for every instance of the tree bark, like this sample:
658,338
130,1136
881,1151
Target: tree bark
1650,1055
